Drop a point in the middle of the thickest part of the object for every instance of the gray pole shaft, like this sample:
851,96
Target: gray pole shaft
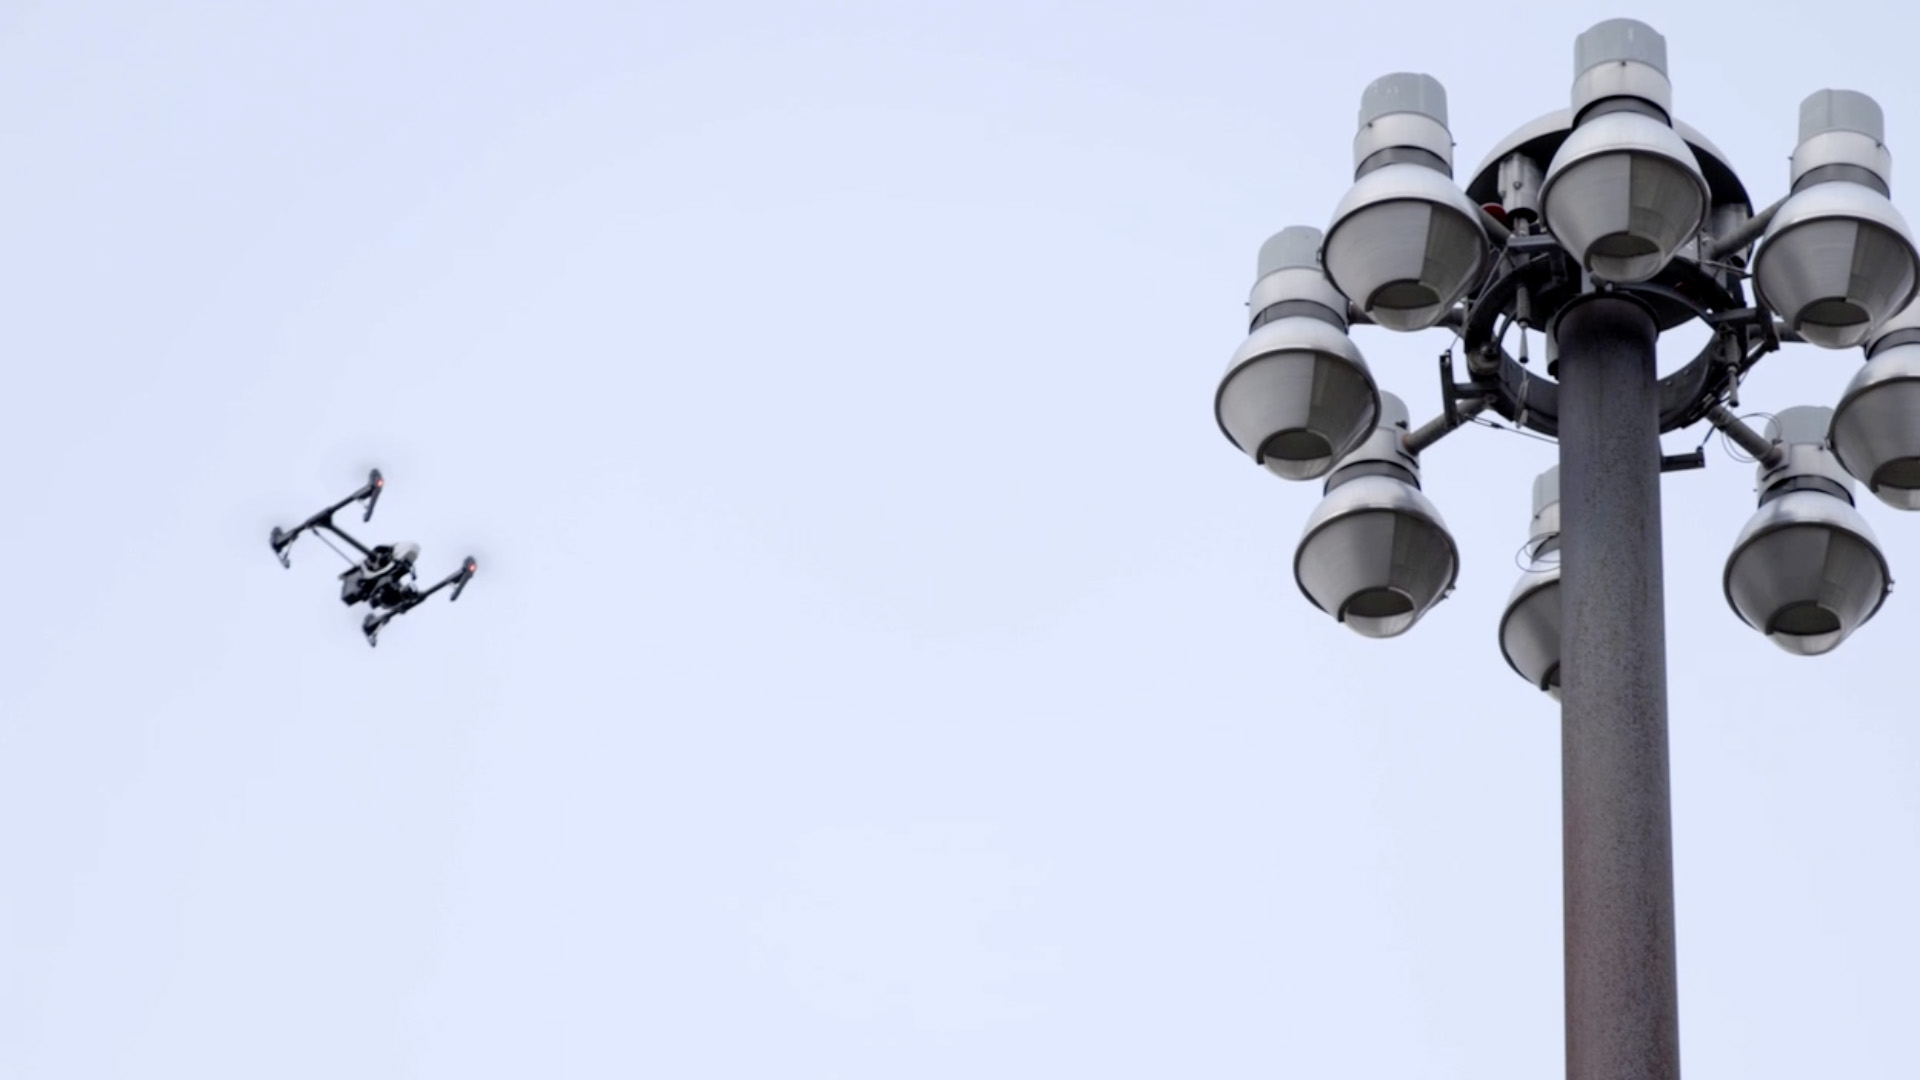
1622,995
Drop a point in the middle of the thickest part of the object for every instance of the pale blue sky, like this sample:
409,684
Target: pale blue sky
880,664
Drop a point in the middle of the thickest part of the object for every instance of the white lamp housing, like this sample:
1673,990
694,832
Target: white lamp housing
1624,193
1806,570
1297,395
1838,260
1530,626
1876,427
1375,553
1405,245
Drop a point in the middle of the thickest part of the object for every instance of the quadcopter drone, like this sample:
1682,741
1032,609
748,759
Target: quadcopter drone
382,577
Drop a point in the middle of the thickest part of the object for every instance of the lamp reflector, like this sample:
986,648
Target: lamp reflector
1376,556
1624,194
1876,426
1806,572
1530,626
1297,397
1405,246
1836,262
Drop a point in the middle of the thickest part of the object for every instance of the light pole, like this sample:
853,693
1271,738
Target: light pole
1604,225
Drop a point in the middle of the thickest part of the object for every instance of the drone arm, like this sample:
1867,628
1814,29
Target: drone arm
458,579
369,492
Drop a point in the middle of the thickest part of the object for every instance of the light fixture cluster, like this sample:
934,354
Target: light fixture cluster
1611,195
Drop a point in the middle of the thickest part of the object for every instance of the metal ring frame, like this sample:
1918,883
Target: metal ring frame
1534,265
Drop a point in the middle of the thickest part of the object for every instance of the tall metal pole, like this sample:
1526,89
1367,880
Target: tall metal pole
1622,993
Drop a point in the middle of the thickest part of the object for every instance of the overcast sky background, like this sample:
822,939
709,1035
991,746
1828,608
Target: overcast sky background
880,665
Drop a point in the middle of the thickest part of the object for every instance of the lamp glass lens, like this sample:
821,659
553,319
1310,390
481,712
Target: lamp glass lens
1805,620
1378,604
1897,483
1295,450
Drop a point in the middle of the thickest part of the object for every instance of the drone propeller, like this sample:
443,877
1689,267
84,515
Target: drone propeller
282,545
375,485
466,574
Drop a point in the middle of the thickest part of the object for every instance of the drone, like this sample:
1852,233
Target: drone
382,577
